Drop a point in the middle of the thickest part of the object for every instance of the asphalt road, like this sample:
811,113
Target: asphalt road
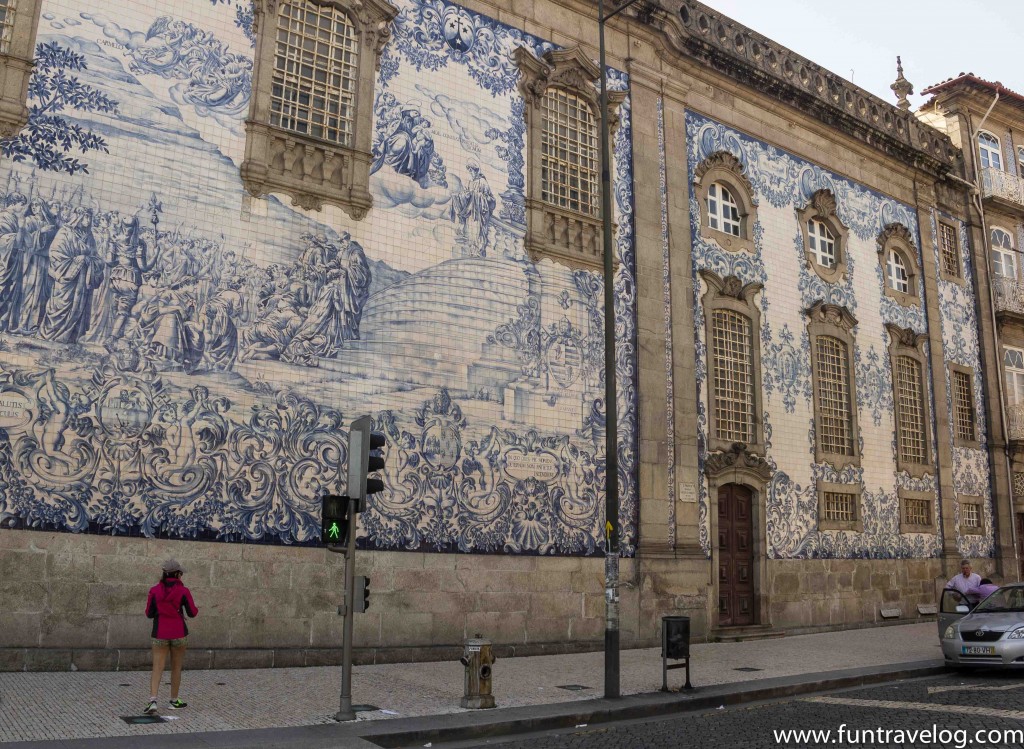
959,710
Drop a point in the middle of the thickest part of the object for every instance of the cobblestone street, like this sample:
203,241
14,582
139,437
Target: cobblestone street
954,708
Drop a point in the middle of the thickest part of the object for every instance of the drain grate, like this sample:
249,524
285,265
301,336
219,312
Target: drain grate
748,668
141,720
573,687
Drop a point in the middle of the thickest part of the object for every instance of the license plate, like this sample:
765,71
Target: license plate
978,650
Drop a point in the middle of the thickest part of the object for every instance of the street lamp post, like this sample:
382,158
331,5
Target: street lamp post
611,564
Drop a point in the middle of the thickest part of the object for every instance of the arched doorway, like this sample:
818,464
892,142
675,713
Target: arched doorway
736,592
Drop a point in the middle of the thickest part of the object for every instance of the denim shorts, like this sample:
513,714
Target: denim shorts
175,643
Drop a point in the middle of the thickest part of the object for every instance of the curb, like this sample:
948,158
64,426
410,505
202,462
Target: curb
468,726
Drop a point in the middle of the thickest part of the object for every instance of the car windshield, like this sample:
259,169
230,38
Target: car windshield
1004,599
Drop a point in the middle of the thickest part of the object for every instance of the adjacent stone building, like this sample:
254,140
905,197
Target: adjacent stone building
230,228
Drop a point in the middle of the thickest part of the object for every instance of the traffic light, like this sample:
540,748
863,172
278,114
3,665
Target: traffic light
364,457
361,596
334,519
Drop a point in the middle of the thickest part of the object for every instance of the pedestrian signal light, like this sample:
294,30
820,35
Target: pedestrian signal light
334,521
365,456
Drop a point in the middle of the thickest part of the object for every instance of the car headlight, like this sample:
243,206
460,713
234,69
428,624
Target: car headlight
1017,634
950,633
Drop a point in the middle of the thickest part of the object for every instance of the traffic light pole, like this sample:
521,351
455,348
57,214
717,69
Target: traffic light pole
345,711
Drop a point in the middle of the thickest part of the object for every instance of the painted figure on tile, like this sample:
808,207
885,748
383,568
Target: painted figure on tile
40,227
128,263
277,324
404,142
12,249
472,208
76,271
352,260
166,323
220,334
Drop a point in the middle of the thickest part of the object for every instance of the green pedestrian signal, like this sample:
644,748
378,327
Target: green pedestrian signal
334,519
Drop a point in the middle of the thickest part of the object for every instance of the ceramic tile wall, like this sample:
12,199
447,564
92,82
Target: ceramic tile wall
783,184
182,360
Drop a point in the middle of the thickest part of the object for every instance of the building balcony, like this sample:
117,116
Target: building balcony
1009,297
1015,425
1002,186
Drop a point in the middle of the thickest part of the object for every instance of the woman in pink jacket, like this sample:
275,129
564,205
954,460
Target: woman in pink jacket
169,601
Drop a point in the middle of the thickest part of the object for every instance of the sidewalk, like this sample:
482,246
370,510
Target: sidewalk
48,706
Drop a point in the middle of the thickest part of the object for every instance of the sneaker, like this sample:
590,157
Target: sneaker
178,704
150,708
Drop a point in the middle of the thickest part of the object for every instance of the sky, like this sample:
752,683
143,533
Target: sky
859,39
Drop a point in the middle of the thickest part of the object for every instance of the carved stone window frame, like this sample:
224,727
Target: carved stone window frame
310,170
970,530
725,169
959,277
16,64
857,524
957,440
905,342
822,207
905,527
732,294
837,322
568,237
897,238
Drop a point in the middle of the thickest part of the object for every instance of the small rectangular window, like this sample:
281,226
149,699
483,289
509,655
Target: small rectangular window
917,512
970,515
963,406
949,250
840,507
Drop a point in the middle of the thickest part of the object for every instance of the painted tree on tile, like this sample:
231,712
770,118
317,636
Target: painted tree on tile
53,89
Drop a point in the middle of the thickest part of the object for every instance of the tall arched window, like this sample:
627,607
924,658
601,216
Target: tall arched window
569,170
988,146
732,319
830,328
1020,161
723,211
1004,259
315,72
909,368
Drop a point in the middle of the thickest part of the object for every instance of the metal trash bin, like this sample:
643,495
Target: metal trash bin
675,645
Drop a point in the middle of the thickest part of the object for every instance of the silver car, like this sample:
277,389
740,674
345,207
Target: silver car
989,634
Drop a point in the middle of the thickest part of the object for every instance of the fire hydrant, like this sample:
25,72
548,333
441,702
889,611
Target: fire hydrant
477,658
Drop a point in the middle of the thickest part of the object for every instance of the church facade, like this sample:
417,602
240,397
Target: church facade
229,228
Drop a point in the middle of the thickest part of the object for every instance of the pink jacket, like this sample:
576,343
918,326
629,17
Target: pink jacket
167,605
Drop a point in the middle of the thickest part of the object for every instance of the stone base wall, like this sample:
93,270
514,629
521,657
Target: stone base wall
80,599
839,593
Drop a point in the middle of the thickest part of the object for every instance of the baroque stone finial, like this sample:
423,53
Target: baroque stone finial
902,87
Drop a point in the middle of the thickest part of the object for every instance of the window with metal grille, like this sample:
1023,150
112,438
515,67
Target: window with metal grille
988,146
963,406
970,514
723,211
839,506
835,422
733,375
823,244
568,156
1013,364
896,273
315,72
910,409
917,511
1020,161
7,10
950,251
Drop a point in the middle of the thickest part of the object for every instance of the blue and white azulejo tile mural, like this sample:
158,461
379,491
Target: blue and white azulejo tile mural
178,359
782,185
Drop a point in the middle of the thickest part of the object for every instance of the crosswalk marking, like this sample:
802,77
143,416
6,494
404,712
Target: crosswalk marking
972,688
